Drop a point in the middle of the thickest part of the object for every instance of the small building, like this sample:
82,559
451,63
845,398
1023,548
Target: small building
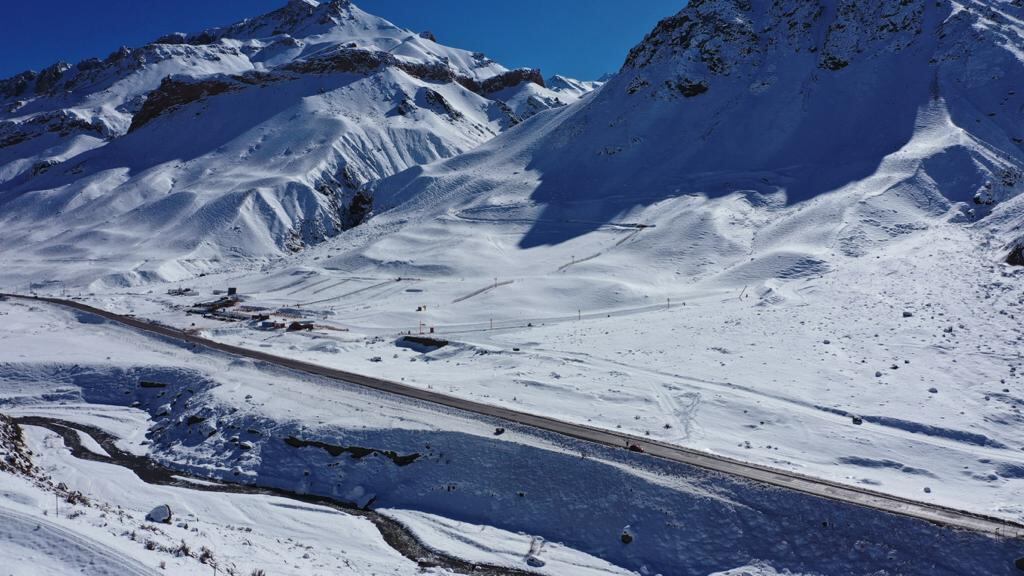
232,291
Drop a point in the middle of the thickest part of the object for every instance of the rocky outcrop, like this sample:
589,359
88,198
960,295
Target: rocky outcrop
439,104
15,458
509,79
1016,255
174,93
359,209
62,122
713,38
172,39
344,60
50,76
17,85
870,27
360,61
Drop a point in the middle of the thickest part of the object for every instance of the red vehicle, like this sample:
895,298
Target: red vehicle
635,448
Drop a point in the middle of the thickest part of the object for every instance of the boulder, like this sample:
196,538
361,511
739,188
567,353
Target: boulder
161,514
1016,256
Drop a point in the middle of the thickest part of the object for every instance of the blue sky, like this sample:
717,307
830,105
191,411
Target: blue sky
579,38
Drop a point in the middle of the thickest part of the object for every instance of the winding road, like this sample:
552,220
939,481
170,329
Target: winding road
940,515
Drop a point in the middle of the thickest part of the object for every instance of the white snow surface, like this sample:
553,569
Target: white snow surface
499,547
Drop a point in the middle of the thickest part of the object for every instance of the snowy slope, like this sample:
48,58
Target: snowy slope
245,141
717,248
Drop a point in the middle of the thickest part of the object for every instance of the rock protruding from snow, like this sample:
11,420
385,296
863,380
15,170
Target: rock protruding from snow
1016,255
161,514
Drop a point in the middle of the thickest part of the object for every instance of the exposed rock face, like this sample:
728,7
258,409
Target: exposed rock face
359,61
176,92
437,102
508,80
716,38
1016,255
345,60
17,85
15,458
359,209
61,122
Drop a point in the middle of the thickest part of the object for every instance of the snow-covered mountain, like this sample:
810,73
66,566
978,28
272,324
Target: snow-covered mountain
776,235
760,139
538,95
248,140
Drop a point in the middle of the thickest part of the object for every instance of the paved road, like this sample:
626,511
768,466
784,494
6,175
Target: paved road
780,478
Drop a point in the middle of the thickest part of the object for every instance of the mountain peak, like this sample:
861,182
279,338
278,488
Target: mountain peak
720,37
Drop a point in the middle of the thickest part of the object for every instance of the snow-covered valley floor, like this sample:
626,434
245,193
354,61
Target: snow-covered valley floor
866,372
470,493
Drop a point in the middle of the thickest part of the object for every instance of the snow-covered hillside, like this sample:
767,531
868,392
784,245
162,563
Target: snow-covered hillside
914,107
251,140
